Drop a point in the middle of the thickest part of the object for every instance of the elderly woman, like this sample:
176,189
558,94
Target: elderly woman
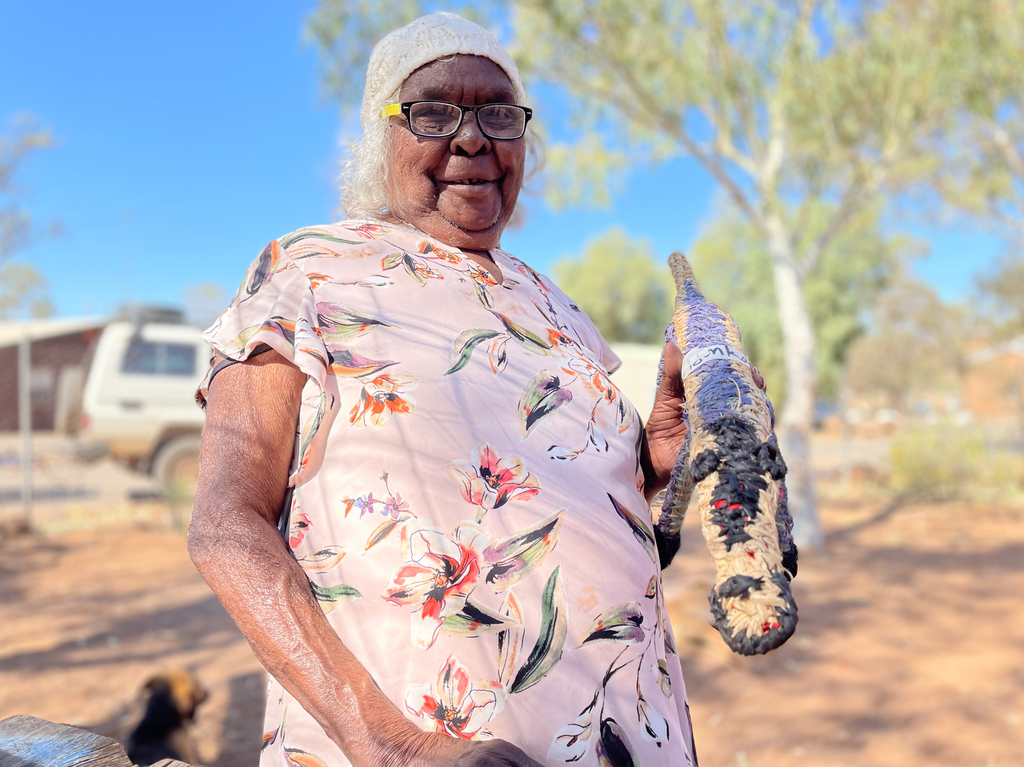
467,572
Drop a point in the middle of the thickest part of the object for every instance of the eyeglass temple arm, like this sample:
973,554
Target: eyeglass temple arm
391,110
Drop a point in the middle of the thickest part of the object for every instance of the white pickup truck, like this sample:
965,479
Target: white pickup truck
138,401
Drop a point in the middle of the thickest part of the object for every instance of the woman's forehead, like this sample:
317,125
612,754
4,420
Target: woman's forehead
460,79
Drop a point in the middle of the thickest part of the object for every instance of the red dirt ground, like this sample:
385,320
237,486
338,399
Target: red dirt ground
910,649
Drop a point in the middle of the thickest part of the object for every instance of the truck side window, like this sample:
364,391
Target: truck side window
155,358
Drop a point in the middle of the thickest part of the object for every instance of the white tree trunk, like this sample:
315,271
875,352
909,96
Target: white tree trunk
797,417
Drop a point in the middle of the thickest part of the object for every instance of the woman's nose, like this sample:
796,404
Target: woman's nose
469,139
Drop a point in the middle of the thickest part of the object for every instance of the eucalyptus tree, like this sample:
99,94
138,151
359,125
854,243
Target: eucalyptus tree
792,106
984,174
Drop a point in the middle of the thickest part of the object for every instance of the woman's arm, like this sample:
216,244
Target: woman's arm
247,443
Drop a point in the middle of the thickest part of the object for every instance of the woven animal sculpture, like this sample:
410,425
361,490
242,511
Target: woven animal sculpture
731,460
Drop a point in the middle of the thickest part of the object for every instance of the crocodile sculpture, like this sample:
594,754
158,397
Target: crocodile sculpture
731,460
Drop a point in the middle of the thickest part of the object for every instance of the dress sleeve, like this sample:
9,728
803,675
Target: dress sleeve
274,307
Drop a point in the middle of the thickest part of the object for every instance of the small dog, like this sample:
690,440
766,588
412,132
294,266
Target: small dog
163,731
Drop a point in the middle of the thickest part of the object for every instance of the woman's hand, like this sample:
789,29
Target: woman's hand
665,430
438,750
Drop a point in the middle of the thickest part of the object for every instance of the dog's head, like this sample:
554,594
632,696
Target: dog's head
182,688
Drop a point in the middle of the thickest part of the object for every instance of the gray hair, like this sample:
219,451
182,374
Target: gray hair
364,174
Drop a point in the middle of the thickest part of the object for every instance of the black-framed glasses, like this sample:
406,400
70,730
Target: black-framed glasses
439,119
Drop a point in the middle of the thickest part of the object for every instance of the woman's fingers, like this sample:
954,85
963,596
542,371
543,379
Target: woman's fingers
671,386
758,378
495,753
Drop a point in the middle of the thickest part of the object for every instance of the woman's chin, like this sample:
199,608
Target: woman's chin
473,214
472,231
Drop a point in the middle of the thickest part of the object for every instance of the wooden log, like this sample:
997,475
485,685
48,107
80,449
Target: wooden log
26,741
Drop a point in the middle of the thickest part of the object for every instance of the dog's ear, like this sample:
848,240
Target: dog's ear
186,692
158,684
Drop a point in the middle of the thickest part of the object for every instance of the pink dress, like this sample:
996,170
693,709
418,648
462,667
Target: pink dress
468,500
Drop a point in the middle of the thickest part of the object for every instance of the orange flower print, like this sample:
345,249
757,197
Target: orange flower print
316,279
560,340
490,481
456,705
437,577
595,379
384,395
482,276
425,272
429,250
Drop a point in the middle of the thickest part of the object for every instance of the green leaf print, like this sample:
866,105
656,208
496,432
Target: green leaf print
614,748
641,530
347,364
338,324
543,396
482,295
391,261
622,623
320,234
554,625
410,267
513,558
664,679
475,619
510,640
525,338
464,345
332,597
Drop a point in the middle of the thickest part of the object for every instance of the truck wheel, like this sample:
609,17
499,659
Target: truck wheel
176,468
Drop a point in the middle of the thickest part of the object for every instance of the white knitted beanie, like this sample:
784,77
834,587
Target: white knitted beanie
427,39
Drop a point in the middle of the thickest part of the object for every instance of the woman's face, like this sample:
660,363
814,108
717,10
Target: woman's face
462,188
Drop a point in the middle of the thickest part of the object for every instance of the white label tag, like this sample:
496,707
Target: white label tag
695,359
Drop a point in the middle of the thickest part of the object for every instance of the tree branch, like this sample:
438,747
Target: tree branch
1006,147
671,123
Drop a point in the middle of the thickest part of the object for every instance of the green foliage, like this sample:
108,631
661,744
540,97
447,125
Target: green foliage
620,286
345,31
734,269
23,292
946,462
983,172
24,138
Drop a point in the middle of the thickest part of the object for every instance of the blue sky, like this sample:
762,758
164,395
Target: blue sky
189,134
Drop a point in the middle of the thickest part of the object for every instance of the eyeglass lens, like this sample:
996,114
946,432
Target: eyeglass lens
438,118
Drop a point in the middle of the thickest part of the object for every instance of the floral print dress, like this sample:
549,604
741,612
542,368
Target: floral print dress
467,499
